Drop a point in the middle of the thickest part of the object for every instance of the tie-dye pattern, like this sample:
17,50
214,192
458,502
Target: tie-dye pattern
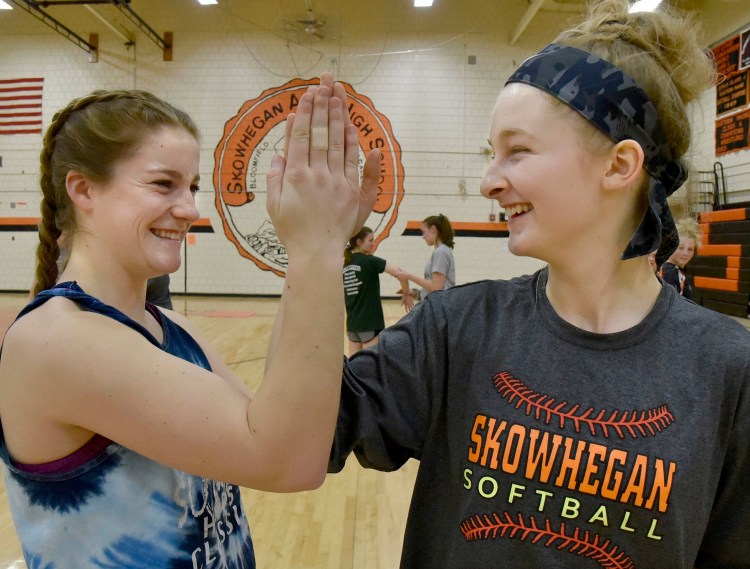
121,510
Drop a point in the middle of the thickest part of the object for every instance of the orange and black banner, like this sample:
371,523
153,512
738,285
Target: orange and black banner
465,228
732,58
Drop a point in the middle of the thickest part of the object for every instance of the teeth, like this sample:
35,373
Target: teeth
166,234
514,209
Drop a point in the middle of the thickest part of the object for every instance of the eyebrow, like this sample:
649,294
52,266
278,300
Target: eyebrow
509,132
172,173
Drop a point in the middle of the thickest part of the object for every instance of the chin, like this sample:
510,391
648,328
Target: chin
167,267
517,247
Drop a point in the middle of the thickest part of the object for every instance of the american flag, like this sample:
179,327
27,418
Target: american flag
21,106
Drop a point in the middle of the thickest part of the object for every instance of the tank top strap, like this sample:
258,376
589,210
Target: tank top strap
72,291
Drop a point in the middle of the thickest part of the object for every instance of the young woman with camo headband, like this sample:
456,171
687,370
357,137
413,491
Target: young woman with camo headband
550,423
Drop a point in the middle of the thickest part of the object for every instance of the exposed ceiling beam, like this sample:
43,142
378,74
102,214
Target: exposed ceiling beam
537,5
531,11
33,8
164,43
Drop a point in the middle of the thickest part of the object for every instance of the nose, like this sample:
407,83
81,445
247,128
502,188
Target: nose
185,208
493,182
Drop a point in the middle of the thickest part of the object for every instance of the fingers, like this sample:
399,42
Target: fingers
274,179
351,155
288,133
371,173
336,149
369,192
326,80
340,93
320,127
298,141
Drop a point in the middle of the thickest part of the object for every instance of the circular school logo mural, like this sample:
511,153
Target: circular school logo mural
243,156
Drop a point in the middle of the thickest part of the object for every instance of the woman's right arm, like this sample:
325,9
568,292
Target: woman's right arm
406,299
437,282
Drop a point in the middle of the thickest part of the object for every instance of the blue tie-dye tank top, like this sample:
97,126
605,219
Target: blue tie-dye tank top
106,506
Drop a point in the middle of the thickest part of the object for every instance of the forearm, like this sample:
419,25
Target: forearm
426,284
297,405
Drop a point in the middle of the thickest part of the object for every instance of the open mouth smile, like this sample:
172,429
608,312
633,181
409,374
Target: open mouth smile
164,234
515,210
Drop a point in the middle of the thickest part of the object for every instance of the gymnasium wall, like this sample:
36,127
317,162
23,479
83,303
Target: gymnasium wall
426,97
735,163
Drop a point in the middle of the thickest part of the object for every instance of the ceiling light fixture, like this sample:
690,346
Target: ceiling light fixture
644,6
207,2
422,3
5,6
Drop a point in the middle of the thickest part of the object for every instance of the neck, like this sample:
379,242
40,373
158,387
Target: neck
605,297
108,283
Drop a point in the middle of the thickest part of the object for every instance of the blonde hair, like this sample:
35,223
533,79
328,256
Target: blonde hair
91,135
689,227
659,50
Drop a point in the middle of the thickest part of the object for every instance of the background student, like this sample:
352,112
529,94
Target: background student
364,309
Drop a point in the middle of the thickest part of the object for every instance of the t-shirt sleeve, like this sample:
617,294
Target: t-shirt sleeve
378,263
387,391
726,542
441,260
671,275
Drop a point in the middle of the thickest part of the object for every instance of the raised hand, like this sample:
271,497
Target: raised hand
326,79
314,195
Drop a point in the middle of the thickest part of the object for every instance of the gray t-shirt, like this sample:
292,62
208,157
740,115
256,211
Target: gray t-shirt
543,445
441,261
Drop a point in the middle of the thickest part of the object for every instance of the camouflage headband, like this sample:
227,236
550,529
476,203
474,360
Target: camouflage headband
614,103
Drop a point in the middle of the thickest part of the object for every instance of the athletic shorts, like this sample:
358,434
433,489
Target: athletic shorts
363,337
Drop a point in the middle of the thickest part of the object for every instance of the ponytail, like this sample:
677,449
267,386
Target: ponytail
444,228
349,249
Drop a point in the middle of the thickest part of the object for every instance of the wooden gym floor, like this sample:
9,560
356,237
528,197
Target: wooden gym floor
355,520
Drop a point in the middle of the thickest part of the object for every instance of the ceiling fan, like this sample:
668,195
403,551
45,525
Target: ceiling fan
307,26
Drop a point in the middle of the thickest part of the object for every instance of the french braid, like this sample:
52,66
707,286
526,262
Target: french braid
90,135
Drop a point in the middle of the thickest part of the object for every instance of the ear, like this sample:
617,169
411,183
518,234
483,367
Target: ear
624,166
79,190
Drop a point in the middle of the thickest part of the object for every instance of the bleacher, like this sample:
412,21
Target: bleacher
721,267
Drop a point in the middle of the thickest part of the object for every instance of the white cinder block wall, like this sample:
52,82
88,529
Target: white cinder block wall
438,105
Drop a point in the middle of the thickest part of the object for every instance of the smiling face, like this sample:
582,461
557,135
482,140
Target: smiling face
542,174
684,252
143,213
366,243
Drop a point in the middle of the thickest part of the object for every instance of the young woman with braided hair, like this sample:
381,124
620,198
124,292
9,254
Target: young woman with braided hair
124,436
551,424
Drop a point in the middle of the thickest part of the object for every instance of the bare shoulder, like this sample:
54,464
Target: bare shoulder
59,325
